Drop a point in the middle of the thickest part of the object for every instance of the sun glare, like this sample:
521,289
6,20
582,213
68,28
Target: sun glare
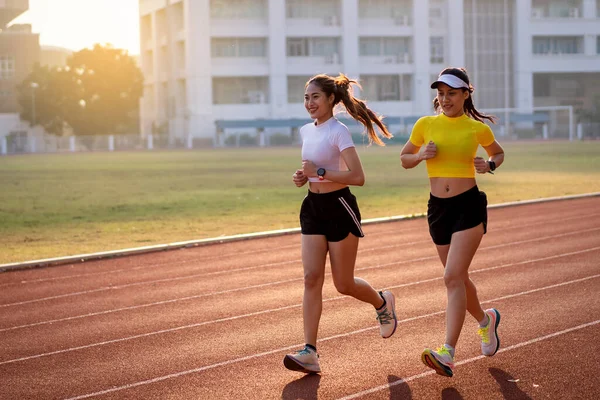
76,24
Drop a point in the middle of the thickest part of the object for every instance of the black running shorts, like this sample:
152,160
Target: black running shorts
333,214
454,214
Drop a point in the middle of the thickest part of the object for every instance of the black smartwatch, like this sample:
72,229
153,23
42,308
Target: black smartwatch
321,173
492,166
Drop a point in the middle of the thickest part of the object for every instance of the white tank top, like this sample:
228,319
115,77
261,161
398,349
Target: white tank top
323,145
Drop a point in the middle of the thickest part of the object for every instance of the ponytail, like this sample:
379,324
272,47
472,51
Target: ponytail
341,89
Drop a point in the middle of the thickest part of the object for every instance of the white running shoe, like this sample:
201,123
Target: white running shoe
490,342
387,317
305,360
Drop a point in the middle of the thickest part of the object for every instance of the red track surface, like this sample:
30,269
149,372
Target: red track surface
215,322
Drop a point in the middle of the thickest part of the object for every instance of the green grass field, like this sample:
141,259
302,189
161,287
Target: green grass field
66,204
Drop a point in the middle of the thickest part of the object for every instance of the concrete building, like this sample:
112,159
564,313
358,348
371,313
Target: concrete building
54,56
19,51
208,60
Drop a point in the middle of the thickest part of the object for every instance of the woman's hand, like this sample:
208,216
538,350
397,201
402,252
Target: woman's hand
299,178
428,151
309,168
481,166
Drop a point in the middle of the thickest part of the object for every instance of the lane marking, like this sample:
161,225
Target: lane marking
128,285
360,394
203,259
470,360
281,308
418,317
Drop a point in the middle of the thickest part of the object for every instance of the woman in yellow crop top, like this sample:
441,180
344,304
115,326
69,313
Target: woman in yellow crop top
457,210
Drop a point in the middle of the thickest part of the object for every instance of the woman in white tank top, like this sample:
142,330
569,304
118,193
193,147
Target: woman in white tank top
329,216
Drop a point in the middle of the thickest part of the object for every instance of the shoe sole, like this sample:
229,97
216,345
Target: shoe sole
432,362
496,332
294,365
394,315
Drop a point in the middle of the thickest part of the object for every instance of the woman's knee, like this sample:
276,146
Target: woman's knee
313,279
455,279
345,287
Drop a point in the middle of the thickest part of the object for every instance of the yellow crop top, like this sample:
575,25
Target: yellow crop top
457,140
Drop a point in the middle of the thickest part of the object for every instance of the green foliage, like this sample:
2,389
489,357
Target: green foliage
97,92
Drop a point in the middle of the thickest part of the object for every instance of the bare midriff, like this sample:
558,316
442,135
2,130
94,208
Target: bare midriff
450,187
325,187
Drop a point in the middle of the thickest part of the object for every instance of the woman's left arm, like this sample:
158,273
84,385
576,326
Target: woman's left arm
495,154
354,176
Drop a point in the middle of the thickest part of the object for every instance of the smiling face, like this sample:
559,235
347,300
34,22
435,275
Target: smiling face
451,100
317,103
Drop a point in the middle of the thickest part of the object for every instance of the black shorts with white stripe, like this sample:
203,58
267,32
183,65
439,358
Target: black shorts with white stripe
334,215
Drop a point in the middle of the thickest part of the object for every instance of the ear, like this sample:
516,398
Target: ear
466,94
331,99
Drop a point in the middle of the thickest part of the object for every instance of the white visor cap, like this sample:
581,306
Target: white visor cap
450,80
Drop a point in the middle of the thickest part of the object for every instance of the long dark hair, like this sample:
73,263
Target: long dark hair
341,89
468,107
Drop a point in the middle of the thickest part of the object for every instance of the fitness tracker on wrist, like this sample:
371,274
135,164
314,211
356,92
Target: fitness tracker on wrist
321,173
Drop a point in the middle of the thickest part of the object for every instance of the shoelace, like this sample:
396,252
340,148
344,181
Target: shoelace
305,351
384,317
485,334
443,351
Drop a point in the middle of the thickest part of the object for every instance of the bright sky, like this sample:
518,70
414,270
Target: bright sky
77,24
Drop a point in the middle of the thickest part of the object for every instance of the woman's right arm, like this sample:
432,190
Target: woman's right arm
410,155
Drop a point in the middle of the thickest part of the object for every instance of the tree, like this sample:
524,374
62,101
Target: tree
42,96
97,93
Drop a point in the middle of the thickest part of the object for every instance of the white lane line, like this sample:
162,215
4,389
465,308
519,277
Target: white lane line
470,360
287,281
119,287
203,259
320,340
373,390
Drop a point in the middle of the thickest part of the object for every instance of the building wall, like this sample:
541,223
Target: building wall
19,51
206,60
54,56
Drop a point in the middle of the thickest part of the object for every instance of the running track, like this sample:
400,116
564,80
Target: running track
214,322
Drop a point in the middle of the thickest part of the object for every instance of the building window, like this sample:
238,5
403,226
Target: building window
312,47
239,47
400,48
7,67
399,10
556,9
597,44
296,86
238,9
313,9
558,45
386,87
240,90
437,49
541,85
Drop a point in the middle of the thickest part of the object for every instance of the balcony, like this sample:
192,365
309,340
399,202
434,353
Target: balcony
313,64
240,66
542,12
398,26
556,62
11,9
325,26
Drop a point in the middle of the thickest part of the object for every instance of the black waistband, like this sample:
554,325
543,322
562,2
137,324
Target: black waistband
335,194
459,197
